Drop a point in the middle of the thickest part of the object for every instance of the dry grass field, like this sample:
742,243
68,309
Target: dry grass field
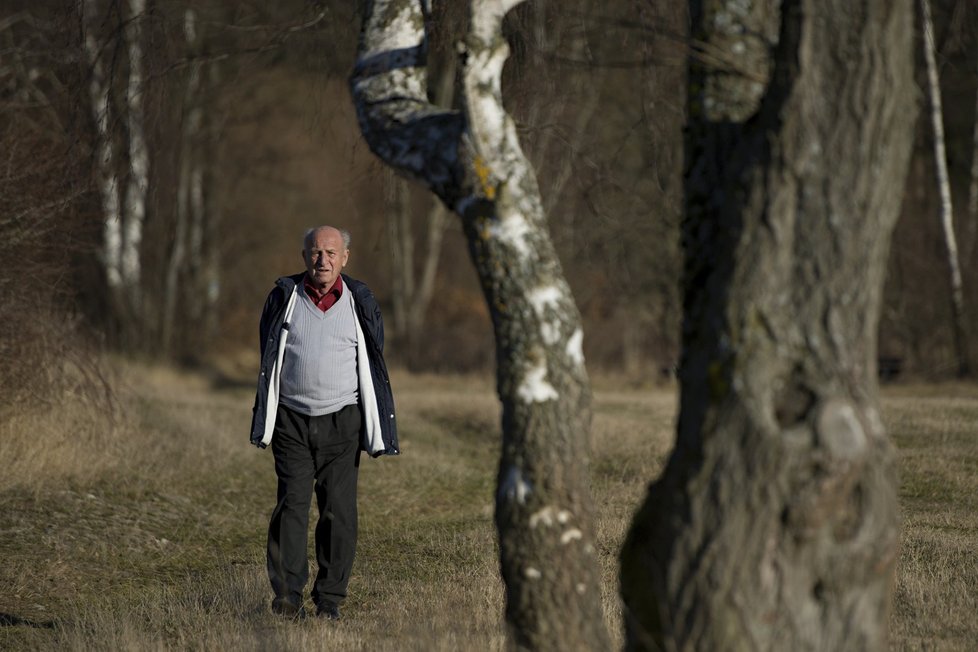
140,524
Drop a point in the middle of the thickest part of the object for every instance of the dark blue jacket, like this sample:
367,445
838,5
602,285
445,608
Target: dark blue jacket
271,329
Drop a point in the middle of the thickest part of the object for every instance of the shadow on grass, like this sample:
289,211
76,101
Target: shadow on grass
10,620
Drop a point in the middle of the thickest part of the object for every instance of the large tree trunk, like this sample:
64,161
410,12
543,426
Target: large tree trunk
959,321
474,163
774,525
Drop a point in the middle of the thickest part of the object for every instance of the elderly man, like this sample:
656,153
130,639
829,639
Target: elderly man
323,396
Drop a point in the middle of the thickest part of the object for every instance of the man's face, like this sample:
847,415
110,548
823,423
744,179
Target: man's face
325,256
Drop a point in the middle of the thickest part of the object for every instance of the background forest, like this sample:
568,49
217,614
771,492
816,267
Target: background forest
161,160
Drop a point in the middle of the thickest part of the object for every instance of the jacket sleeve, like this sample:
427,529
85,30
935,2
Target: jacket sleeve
378,326
265,323
370,314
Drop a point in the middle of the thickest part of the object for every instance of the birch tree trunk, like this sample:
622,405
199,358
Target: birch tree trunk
474,163
944,187
774,525
99,89
123,208
138,185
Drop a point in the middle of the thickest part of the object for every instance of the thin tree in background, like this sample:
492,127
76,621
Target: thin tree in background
774,525
138,182
123,197
972,227
100,97
958,313
189,204
412,289
473,161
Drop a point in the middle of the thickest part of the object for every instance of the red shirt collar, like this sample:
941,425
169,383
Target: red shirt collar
323,300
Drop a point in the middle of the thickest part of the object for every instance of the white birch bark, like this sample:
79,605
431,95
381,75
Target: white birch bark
136,189
99,90
473,161
944,187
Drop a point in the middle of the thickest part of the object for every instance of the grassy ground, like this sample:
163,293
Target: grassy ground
143,527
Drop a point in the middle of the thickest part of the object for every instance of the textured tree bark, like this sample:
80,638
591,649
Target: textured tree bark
774,525
473,161
958,314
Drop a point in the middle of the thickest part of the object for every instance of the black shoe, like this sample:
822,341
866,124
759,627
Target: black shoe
287,608
328,611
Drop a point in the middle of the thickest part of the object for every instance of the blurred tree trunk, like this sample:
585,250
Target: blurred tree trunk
192,269
958,313
972,228
412,289
474,163
401,242
188,179
774,525
123,208
138,183
204,204
100,96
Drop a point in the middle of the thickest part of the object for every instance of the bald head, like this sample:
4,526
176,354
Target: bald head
311,233
325,250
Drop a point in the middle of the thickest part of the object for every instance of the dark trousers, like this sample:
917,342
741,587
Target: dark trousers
323,452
